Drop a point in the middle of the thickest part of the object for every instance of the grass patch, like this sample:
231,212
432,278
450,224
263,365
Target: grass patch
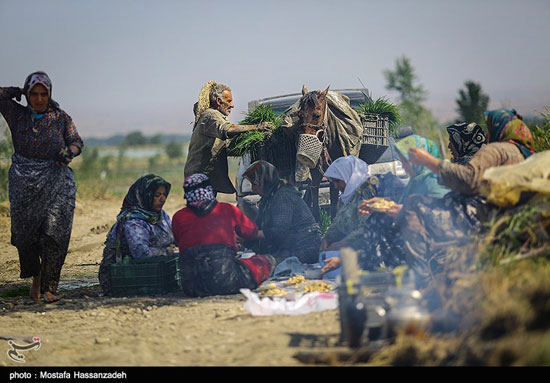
20,291
541,133
523,232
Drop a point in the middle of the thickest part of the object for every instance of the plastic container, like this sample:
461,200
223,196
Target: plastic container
145,276
376,129
376,136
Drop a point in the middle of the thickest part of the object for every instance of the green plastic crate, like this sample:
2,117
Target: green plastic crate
145,276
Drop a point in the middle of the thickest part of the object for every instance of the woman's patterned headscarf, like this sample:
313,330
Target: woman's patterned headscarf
199,194
263,174
39,78
506,125
138,203
467,140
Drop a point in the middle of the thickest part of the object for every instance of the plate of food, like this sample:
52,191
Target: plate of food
379,205
294,287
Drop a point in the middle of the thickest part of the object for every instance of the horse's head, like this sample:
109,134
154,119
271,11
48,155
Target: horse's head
312,111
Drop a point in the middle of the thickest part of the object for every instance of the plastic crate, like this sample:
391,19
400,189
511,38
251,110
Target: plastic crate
146,276
376,137
376,129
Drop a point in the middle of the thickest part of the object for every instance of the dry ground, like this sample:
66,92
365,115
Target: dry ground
505,318
86,328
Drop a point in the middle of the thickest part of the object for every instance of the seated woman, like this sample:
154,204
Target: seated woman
510,142
142,228
375,234
350,176
429,226
206,234
287,227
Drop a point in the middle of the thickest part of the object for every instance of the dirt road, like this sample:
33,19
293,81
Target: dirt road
87,329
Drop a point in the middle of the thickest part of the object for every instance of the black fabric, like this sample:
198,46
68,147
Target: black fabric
467,140
44,258
425,230
213,270
42,201
291,229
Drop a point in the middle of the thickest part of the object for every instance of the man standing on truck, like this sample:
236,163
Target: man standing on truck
208,149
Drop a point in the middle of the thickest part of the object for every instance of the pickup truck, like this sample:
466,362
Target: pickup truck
380,163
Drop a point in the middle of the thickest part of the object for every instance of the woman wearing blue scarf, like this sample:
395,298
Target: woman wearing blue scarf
143,228
510,142
422,180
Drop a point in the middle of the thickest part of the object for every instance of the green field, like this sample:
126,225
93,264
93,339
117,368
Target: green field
101,171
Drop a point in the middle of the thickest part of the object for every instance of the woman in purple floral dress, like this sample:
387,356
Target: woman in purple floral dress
142,228
42,189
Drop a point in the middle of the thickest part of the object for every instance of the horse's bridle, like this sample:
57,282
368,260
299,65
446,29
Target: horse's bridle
319,126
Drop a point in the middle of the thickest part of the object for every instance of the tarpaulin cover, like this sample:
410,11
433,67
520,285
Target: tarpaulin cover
343,124
503,185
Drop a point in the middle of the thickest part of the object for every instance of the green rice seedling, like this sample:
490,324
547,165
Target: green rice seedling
246,142
324,221
541,134
382,107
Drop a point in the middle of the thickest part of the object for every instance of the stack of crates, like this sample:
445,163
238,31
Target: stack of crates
145,276
376,136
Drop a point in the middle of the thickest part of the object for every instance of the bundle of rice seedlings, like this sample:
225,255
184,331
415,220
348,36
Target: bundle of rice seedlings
247,142
384,108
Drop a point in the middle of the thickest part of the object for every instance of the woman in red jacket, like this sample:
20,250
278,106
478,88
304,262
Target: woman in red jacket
206,234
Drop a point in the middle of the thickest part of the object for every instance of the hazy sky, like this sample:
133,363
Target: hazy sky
120,65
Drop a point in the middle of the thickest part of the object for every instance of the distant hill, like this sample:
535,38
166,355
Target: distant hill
118,139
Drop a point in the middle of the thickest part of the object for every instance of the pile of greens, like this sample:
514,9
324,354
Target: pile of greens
383,108
247,142
541,133
519,233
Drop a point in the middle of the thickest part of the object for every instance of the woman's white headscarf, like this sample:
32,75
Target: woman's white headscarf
350,169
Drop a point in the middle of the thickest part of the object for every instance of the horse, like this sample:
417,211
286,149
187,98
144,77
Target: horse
338,127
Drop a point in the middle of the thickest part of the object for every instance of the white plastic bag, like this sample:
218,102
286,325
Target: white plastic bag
305,304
